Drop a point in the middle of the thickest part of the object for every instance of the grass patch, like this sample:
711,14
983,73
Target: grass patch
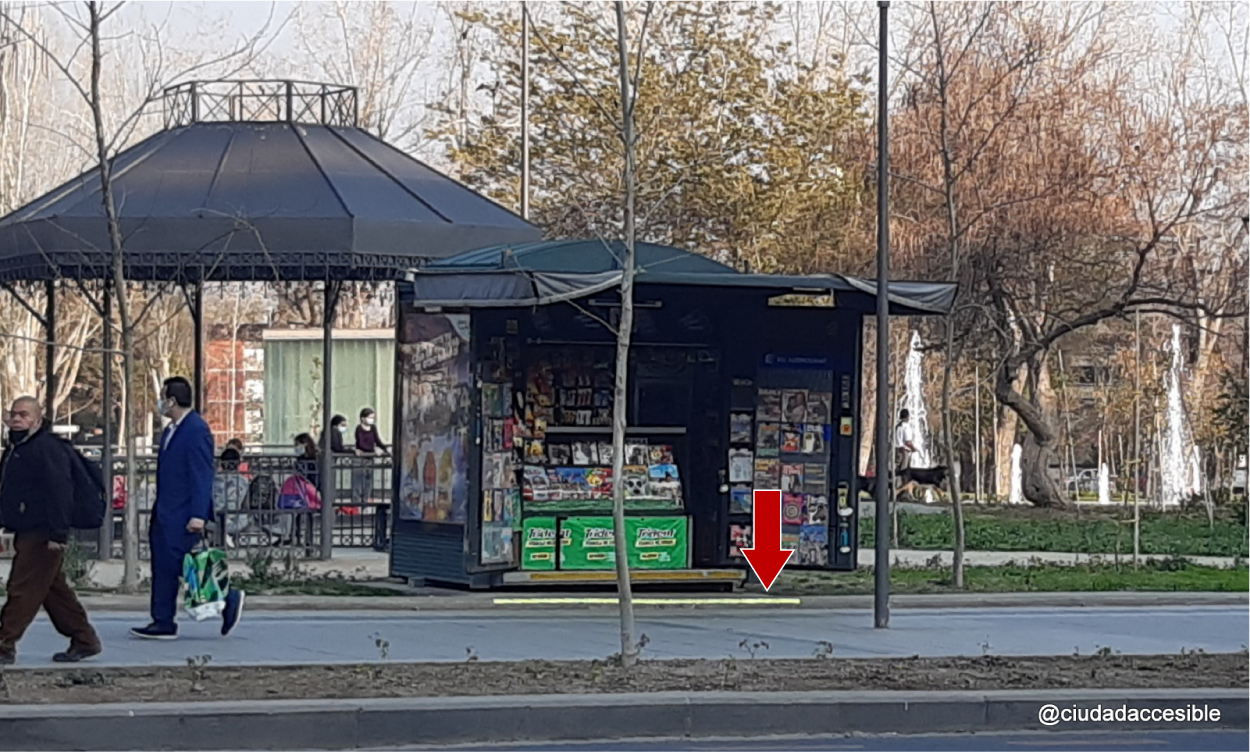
317,586
1086,532
272,575
1156,576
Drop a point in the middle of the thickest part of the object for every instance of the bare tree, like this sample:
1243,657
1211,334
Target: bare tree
111,128
33,152
1021,146
956,101
456,97
628,99
77,326
380,48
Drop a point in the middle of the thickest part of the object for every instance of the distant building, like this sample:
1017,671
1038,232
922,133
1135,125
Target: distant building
364,376
234,382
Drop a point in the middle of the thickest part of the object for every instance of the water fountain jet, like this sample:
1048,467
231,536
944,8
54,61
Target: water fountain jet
1017,484
913,400
1176,461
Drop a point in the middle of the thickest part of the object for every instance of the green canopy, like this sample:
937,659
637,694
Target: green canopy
548,272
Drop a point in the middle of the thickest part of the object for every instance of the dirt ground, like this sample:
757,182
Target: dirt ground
473,678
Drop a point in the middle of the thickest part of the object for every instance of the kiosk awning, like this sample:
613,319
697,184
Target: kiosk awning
537,274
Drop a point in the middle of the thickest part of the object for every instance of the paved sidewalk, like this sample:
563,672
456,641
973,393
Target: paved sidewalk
370,565
442,599
506,634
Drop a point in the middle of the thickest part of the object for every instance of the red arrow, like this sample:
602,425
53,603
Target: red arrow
767,557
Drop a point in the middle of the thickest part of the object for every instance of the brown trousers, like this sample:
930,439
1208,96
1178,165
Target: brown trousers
35,580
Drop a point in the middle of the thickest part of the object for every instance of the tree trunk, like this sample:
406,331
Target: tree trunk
629,645
1038,449
1038,486
868,405
130,531
952,460
130,548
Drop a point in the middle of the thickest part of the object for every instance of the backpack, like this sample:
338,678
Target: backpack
90,500
299,493
262,493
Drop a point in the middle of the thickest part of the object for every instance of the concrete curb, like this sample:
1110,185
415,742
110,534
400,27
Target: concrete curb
595,601
365,724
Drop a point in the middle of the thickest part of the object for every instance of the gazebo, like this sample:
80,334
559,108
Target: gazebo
249,181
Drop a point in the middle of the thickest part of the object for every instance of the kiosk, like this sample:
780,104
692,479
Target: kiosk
505,365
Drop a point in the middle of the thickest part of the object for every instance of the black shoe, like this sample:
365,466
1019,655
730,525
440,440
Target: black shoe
8,658
233,612
77,655
155,632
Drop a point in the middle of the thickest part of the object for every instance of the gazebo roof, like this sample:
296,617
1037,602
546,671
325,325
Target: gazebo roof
256,199
549,272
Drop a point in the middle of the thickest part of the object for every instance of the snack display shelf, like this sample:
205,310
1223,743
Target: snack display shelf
727,578
632,430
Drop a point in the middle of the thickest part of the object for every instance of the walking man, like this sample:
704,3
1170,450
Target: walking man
185,467
36,498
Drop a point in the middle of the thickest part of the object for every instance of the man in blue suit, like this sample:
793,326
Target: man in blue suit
185,466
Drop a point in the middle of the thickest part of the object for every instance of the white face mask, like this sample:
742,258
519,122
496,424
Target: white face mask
342,428
299,451
368,421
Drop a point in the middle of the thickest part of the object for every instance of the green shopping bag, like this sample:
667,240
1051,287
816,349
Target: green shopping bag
207,582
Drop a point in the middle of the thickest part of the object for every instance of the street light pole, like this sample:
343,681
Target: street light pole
1137,464
881,590
525,112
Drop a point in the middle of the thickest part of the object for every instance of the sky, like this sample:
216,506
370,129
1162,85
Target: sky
217,26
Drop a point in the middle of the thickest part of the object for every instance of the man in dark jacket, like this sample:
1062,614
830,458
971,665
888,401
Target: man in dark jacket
36,497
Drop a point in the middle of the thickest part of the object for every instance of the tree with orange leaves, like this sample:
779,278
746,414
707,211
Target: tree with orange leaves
1055,180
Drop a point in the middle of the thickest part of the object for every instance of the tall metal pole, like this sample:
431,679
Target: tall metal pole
328,480
1137,439
881,590
197,315
105,550
49,352
525,112
976,456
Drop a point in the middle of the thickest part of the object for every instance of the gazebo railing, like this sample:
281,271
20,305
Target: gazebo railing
260,101
255,520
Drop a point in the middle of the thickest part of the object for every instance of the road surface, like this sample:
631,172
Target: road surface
1155,741
344,637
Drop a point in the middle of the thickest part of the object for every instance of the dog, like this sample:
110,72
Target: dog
868,485
910,479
